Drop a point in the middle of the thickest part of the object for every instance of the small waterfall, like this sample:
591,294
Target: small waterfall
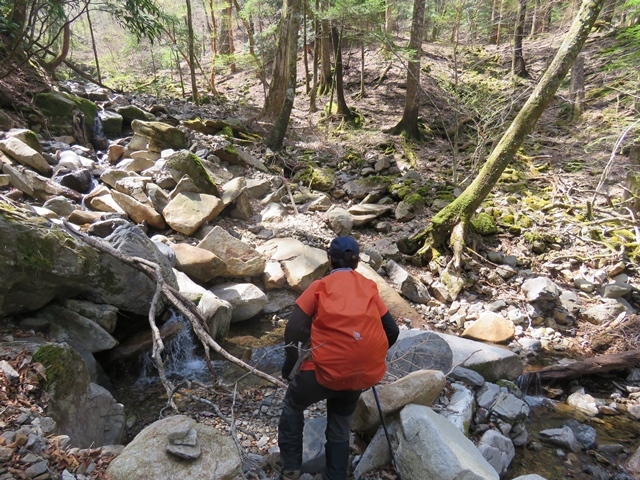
530,385
180,355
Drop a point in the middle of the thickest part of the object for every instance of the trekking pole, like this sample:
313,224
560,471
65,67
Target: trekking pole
386,433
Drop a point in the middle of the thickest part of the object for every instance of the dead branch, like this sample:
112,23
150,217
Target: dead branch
185,306
590,366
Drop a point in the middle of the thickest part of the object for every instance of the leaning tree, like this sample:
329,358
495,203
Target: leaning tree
451,223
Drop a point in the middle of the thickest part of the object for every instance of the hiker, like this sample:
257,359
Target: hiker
350,330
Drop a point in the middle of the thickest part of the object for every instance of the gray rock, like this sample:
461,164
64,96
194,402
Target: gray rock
468,376
241,260
246,299
418,350
605,312
562,437
377,453
145,456
340,221
540,288
408,285
493,363
61,205
585,434
459,407
498,450
431,447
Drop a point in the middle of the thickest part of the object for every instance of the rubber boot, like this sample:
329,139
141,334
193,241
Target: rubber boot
337,460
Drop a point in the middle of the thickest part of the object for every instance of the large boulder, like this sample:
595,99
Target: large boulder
421,387
241,260
429,446
160,136
146,457
61,108
185,163
418,350
84,411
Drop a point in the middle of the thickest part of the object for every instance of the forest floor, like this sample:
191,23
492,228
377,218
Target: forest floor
565,170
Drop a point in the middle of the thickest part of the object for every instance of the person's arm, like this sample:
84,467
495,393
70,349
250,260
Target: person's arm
298,329
390,328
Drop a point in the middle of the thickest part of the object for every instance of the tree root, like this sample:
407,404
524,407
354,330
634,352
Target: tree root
184,306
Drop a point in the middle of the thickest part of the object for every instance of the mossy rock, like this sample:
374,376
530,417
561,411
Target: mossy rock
316,178
186,163
65,370
131,112
161,136
60,108
484,224
111,123
401,190
28,137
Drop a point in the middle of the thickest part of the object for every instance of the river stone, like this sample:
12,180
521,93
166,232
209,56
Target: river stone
68,326
139,212
531,476
399,308
459,407
240,259
84,411
60,205
562,437
467,376
420,387
360,188
408,285
217,313
490,327
186,452
246,299
185,163
145,457
132,112
540,288
78,180
633,463
104,315
198,263
232,190
160,136
583,402
340,221
492,362
497,449
25,155
188,211
418,350
585,434
273,276
302,270
377,453
431,447
606,311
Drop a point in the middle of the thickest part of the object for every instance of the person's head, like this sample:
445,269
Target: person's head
344,252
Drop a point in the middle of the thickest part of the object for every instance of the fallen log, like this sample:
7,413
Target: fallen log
590,366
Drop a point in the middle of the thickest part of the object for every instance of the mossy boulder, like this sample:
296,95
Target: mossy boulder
484,224
186,163
160,136
27,137
316,178
111,123
61,107
130,113
66,372
408,208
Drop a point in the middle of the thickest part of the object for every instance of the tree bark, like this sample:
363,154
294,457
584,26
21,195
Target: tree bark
214,49
292,20
451,222
493,28
324,84
518,66
577,88
409,122
192,55
343,108
590,366
388,18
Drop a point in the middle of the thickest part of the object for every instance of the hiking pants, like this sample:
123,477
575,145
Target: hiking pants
304,390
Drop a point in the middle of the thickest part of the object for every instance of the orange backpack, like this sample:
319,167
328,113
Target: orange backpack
348,342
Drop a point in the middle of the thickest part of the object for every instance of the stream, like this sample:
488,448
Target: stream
617,435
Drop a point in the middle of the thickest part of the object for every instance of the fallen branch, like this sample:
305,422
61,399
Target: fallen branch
590,366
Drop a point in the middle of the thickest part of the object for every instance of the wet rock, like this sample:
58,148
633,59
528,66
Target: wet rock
562,437
497,449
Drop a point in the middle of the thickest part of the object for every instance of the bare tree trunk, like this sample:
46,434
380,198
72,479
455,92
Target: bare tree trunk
232,48
499,23
577,88
451,222
64,51
192,55
325,58
608,11
343,109
93,47
409,122
518,66
316,53
493,28
305,48
362,93
214,48
535,20
388,18
292,20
